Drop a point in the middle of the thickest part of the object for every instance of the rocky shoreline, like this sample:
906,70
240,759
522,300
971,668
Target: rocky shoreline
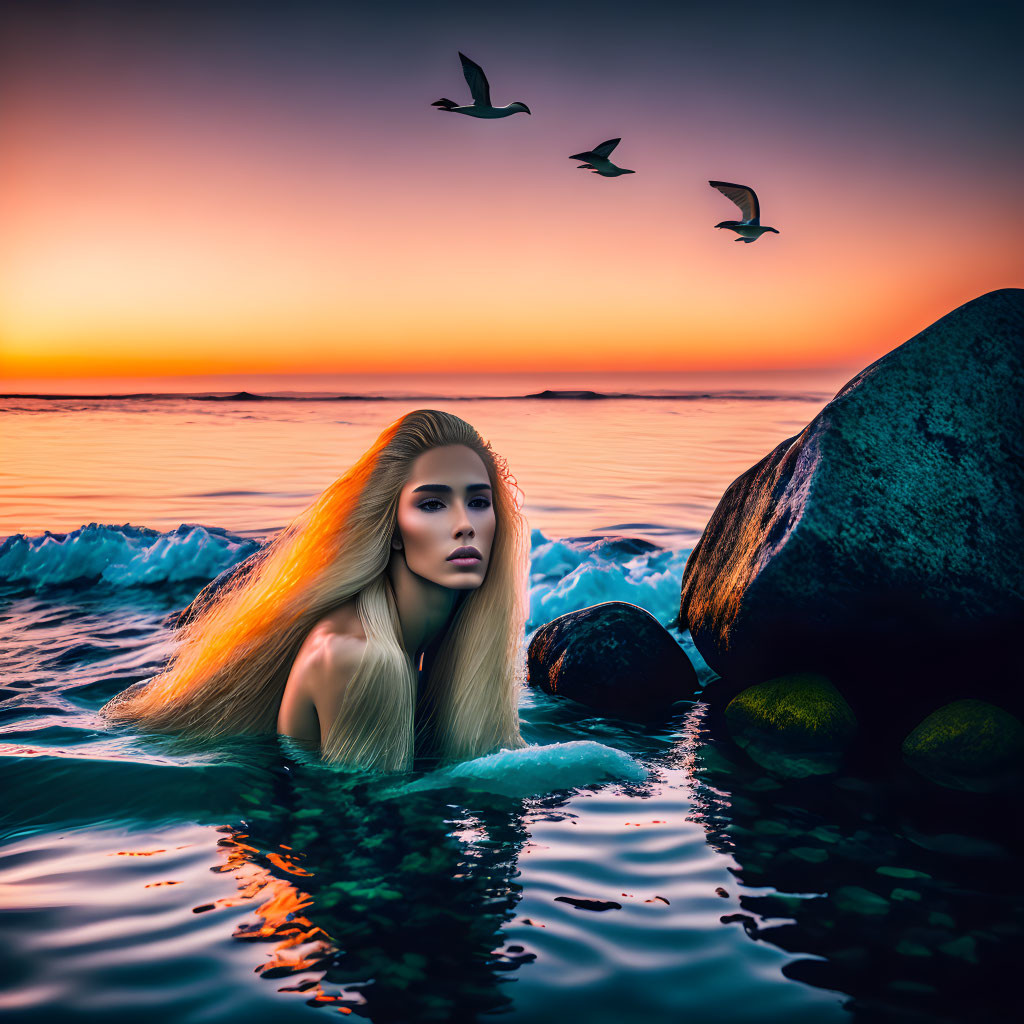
860,590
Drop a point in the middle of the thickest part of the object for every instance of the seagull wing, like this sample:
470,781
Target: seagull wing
745,198
477,81
606,147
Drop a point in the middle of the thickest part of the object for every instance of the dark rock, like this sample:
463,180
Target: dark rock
796,726
968,745
613,657
882,545
596,905
238,396
574,395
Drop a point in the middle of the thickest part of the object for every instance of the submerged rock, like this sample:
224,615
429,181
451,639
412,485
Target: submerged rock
968,745
795,726
613,657
882,544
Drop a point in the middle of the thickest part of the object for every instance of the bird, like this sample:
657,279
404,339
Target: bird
750,228
481,105
596,160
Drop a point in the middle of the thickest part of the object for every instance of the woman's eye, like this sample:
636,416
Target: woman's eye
479,503
431,505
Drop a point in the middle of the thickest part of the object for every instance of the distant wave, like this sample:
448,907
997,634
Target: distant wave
122,555
565,574
547,396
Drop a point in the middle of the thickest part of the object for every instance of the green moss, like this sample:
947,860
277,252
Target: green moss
908,948
796,725
902,895
968,745
804,705
809,853
964,948
895,872
825,834
852,899
912,987
771,828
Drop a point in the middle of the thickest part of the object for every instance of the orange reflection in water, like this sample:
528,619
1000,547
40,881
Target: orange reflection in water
299,945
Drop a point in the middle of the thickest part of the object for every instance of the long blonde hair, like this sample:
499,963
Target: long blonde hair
229,673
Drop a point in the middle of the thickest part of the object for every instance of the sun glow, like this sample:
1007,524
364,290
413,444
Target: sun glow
146,236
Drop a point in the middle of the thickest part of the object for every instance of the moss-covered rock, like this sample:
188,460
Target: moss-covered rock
970,745
795,726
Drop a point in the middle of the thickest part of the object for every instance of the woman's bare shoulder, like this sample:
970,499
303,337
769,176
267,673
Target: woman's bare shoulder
323,666
334,646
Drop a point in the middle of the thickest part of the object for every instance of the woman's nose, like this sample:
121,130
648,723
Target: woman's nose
464,528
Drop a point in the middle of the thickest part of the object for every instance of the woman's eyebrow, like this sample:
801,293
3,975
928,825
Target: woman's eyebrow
445,489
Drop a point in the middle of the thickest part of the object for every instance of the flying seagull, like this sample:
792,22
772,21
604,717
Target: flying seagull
596,160
481,105
749,229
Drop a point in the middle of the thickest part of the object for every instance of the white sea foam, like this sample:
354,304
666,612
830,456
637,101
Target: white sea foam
565,575
123,555
535,770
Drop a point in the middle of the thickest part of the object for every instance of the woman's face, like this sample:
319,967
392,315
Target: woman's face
446,517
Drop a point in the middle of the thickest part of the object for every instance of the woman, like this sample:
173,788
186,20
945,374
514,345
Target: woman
372,584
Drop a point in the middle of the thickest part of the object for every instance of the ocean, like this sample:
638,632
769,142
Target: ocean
626,872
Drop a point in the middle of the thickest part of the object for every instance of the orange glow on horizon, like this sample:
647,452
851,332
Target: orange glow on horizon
135,247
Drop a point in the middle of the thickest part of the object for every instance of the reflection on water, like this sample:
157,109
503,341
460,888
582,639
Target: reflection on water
866,876
391,909
711,885
144,877
583,466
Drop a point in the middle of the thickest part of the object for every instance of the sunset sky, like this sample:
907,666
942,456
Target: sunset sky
216,188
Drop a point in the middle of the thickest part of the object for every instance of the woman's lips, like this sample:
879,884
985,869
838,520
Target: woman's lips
465,557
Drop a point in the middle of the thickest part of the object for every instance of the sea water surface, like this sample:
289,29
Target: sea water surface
612,871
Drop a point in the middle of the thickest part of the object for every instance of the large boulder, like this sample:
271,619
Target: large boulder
614,657
882,545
